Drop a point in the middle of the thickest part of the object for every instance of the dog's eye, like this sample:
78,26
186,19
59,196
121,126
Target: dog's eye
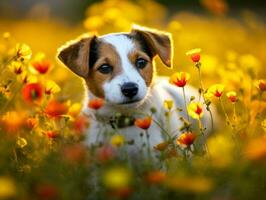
105,69
141,63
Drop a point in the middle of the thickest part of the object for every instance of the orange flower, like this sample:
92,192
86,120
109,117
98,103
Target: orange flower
161,146
31,122
143,123
96,103
179,79
156,177
186,138
105,154
261,85
12,121
32,92
80,124
51,134
55,109
232,96
194,54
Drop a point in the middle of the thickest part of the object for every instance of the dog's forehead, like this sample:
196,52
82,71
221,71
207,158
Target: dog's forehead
123,43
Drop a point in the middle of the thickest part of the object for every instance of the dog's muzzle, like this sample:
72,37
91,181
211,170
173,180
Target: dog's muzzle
129,89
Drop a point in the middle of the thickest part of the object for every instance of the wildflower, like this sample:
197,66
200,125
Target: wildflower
194,54
216,90
143,123
16,67
55,109
31,122
117,140
179,79
156,177
51,134
80,124
27,78
116,178
21,142
256,149
23,51
261,85
74,109
195,110
168,104
51,87
40,64
7,188
6,35
232,96
12,121
186,138
32,92
161,146
96,103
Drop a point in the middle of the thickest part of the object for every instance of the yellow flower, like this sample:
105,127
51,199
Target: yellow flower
51,87
23,51
216,90
6,35
179,79
21,142
195,110
117,140
7,188
16,67
168,104
116,178
27,78
74,109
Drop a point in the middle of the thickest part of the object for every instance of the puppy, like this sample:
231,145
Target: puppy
120,68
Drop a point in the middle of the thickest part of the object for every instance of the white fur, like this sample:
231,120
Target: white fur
112,89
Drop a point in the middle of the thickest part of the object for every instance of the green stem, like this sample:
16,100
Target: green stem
185,101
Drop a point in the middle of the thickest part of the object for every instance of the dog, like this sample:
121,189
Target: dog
120,68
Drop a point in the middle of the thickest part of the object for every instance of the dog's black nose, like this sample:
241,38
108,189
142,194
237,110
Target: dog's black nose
129,89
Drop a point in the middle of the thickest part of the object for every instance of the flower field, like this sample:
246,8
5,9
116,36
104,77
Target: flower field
42,153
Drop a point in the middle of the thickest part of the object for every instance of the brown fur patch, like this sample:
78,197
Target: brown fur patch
107,55
147,71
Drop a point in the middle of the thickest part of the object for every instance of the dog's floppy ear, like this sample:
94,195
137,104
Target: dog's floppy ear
159,42
75,54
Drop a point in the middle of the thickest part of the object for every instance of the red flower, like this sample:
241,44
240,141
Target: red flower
179,79
55,109
31,122
32,92
51,134
195,57
186,138
96,103
105,153
41,66
143,123
80,124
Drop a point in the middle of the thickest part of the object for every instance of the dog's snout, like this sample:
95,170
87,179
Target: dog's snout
129,89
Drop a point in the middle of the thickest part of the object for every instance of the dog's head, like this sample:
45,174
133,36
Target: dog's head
118,67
